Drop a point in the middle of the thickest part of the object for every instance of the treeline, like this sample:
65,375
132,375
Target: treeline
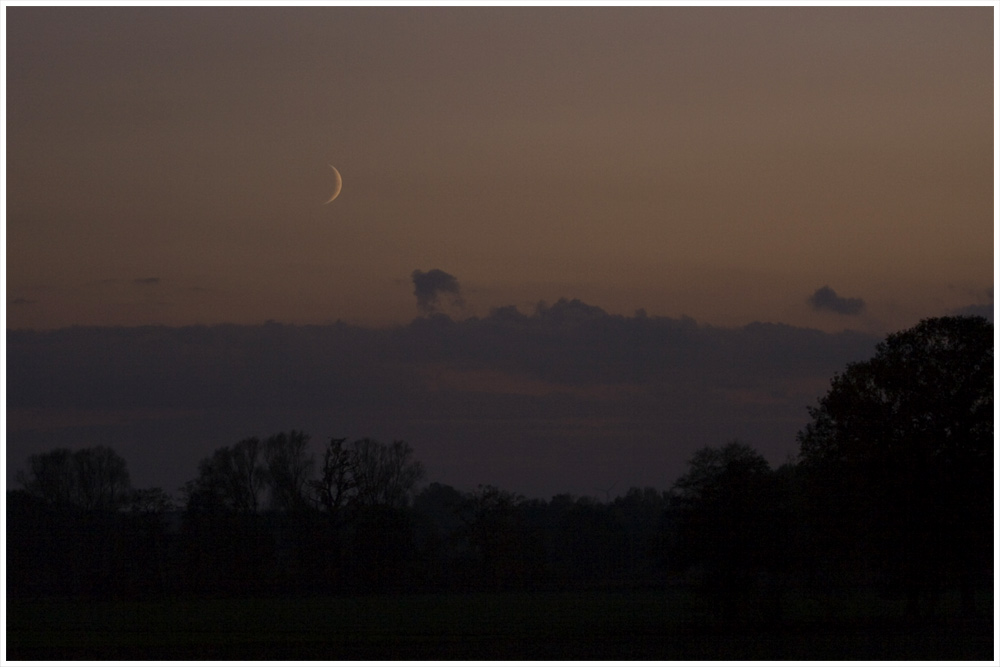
262,518
891,491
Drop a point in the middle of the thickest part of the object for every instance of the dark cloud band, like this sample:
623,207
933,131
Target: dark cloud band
515,391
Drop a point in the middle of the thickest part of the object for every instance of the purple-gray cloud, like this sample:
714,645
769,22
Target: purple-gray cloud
429,286
826,299
979,309
564,399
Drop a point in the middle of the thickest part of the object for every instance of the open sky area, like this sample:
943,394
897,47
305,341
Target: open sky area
648,228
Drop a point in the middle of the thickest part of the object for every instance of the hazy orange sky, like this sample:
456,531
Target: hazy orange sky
169,165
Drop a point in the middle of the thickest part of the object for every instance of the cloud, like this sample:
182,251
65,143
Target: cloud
544,402
569,311
146,281
20,301
981,302
429,286
979,309
826,299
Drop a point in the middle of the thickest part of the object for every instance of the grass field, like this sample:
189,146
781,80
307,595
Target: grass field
525,626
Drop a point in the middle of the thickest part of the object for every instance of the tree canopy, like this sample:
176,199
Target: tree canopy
900,451
93,478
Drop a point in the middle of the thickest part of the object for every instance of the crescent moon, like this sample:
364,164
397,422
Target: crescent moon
338,183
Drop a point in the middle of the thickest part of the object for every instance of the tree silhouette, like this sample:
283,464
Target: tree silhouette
723,514
382,479
330,491
90,479
231,479
907,440
383,474
145,543
226,546
79,528
506,551
288,466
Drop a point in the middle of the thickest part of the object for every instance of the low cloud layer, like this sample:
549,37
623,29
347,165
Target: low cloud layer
431,285
826,299
979,310
566,398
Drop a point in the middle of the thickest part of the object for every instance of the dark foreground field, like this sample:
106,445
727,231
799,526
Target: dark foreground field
528,626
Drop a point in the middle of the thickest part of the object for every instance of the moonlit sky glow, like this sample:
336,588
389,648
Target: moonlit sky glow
573,244
716,162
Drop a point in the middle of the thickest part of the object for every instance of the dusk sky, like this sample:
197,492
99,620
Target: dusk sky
827,169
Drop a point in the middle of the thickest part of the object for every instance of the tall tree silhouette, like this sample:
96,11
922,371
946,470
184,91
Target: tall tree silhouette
383,479
384,474
336,482
906,439
288,465
723,514
231,479
71,517
495,527
94,478
227,549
